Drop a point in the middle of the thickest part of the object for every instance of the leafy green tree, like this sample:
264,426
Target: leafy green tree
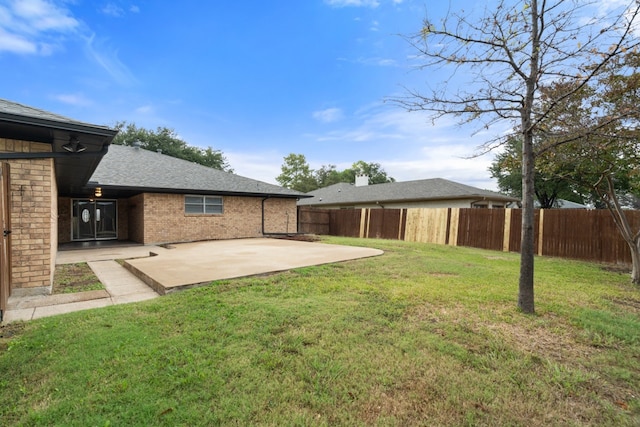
168,142
328,175
507,169
374,171
504,55
297,174
601,129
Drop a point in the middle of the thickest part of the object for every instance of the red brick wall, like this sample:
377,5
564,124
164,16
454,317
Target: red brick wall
165,219
280,216
33,217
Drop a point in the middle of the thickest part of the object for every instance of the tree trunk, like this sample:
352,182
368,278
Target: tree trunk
525,285
622,222
635,260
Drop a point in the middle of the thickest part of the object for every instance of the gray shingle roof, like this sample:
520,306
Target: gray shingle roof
12,111
420,190
125,167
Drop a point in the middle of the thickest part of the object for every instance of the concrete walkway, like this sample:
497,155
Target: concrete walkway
121,286
180,267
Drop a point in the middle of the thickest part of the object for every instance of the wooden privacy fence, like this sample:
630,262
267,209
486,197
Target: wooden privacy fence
568,233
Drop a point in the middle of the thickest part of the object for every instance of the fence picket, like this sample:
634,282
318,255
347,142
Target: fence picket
568,233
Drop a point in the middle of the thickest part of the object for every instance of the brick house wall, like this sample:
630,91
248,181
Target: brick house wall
152,218
34,218
165,221
280,216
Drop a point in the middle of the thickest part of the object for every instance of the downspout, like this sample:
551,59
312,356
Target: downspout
276,234
263,200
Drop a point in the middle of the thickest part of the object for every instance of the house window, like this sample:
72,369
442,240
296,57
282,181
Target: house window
203,205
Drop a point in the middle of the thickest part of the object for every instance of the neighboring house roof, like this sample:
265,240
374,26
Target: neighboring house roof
563,204
408,191
136,170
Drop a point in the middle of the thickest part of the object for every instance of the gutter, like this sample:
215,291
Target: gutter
59,125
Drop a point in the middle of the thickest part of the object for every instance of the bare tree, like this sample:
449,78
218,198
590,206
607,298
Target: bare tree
498,61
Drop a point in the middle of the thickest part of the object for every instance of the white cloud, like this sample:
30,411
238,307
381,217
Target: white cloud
263,166
112,9
409,147
75,99
108,60
145,109
32,26
134,9
328,115
357,3
41,15
15,43
375,61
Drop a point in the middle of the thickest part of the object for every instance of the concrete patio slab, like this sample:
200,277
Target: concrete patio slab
182,266
109,253
190,264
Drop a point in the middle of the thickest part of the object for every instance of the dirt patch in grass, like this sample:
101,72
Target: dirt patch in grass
437,274
628,304
558,345
617,268
7,332
70,278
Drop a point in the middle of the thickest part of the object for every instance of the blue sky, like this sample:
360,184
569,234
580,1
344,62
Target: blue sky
255,79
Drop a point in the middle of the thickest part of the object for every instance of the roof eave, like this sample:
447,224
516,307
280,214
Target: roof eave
411,200
59,125
141,189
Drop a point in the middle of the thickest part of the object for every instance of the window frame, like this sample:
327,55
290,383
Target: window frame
203,202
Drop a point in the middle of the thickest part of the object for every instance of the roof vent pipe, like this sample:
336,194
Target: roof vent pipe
136,144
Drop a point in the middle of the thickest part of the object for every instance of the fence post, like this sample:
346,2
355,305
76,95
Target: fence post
506,237
540,231
454,222
400,236
363,223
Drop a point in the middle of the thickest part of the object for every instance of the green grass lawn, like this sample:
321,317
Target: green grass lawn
423,335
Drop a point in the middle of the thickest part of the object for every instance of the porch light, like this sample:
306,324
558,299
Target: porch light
74,146
98,192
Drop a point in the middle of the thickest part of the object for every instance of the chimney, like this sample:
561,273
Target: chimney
362,180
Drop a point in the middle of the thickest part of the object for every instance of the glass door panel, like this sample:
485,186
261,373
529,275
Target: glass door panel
106,220
94,220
